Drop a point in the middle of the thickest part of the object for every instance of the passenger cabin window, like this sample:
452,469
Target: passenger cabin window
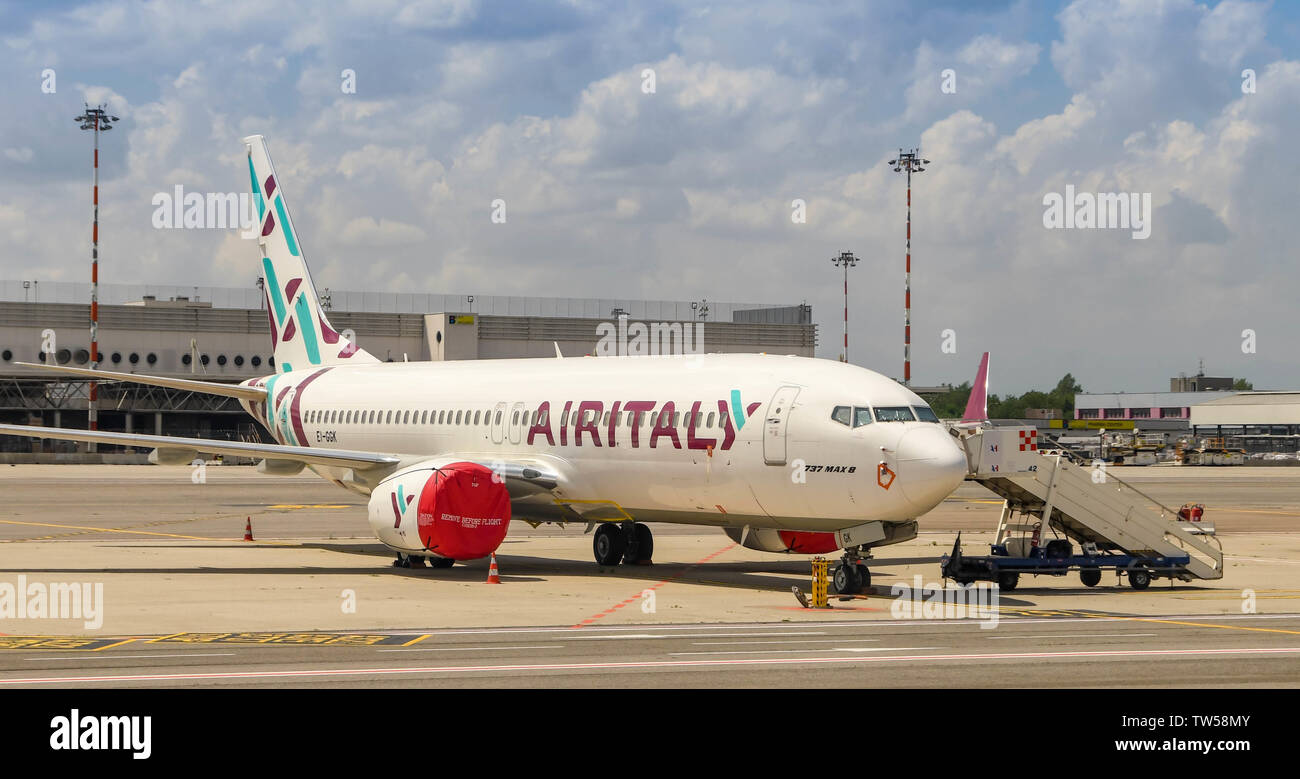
894,414
841,414
925,414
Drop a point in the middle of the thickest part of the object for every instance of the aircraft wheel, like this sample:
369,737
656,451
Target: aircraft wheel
848,579
609,544
864,573
402,561
1091,577
1139,579
640,545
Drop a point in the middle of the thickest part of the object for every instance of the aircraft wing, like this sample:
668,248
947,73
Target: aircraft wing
193,385
522,478
311,455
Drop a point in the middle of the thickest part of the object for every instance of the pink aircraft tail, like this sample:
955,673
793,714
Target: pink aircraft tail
977,408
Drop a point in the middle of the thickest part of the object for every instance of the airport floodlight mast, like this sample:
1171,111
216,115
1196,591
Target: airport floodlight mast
847,260
910,162
96,119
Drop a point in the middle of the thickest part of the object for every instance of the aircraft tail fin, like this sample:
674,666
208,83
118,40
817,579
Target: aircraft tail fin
977,406
301,334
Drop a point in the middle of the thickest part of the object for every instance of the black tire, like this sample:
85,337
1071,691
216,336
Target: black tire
1059,549
1008,580
864,573
609,544
441,562
1139,579
415,561
640,546
848,580
1091,577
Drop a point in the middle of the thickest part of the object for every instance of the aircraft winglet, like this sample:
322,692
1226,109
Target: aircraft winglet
977,408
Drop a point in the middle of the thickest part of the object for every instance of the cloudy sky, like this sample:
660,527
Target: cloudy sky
685,192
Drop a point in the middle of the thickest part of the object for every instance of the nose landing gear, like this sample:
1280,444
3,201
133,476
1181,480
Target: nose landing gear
852,575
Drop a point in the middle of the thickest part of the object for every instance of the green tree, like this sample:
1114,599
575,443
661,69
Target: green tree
1242,384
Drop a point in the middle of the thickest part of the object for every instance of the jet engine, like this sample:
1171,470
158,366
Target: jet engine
452,509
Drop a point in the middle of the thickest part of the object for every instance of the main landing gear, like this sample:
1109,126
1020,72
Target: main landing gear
852,575
627,542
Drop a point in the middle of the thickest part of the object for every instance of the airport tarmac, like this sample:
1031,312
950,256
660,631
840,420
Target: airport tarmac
314,601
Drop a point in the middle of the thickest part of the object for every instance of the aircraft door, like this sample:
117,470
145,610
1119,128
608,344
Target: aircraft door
775,423
517,417
499,422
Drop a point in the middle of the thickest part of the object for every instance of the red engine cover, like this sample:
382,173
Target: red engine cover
808,542
463,513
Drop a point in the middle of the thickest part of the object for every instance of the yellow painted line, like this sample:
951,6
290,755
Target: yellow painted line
108,530
1196,624
119,643
417,639
163,638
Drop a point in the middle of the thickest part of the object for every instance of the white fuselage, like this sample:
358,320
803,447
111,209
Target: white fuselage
751,440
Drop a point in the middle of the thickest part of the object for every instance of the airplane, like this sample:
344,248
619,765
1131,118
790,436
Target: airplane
783,453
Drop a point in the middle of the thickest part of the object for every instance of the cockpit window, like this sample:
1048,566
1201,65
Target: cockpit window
861,416
842,414
925,414
894,414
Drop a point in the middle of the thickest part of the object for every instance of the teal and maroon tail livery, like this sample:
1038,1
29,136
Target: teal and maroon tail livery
301,334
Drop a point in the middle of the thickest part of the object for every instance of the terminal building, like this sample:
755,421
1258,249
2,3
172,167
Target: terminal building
1143,407
222,334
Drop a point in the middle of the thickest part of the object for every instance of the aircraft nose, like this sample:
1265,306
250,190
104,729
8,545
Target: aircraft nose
930,466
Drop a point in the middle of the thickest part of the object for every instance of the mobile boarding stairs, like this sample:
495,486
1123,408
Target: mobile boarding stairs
1051,503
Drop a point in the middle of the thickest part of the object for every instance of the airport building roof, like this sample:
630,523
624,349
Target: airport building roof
1249,409
392,302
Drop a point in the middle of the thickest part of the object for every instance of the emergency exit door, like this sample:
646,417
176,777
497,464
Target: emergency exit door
775,423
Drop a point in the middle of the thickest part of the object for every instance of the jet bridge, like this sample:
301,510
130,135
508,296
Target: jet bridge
1050,501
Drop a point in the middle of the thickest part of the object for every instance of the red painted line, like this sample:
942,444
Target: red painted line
642,664
638,596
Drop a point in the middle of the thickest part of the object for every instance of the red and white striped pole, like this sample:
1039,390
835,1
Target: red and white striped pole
846,313
847,260
907,291
95,119
94,294
908,162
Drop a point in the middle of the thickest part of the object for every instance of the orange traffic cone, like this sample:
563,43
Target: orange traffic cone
248,529
494,575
